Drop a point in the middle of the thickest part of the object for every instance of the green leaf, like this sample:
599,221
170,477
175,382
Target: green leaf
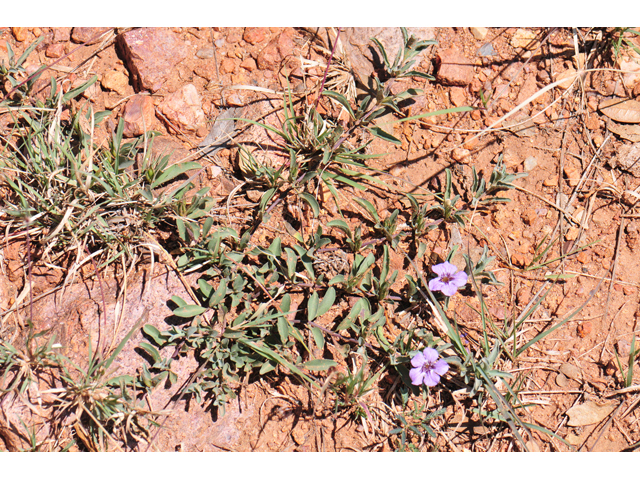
327,302
151,350
155,334
380,133
174,171
283,329
71,94
219,294
341,99
318,337
368,206
319,365
189,311
313,203
312,306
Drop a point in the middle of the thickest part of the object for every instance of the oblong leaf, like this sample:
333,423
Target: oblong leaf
189,311
319,365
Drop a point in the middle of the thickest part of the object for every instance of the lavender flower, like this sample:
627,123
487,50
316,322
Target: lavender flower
449,280
427,368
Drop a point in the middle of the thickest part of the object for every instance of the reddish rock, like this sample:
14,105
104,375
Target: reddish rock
254,35
55,50
269,57
454,69
206,71
20,33
115,81
285,44
457,96
228,65
61,34
150,54
184,108
249,64
139,116
88,35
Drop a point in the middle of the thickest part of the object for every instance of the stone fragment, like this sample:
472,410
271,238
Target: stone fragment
254,35
530,164
115,81
269,57
184,108
627,158
457,96
479,33
584,329
589,413
285,44
573,175
205,53
571,371
524,39
249,64
487,50
206,71
454,68
566,78
20,33
150,54
523,296
228,65
357,44
61,34
139,116
55,50
88,35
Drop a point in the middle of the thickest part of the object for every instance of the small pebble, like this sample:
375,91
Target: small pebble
530,163
205,53
584,329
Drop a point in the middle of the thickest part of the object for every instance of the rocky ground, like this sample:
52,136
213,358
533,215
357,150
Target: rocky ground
572,131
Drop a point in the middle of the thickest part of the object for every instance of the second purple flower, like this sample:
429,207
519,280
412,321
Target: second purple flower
448,279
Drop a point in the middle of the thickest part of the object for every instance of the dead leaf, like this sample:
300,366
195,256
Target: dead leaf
628,132
588,413
624,111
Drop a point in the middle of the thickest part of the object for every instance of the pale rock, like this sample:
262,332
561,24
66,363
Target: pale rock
184,108
55,50
88,35
524,39
139,116
150,54
454,68
20,33
530,164
115,81
566,78
479,33
457,96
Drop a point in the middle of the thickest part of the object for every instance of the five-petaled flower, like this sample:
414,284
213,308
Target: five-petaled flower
427,368
448,279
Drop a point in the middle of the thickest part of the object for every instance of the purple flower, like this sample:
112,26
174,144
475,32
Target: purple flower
449,280
427,368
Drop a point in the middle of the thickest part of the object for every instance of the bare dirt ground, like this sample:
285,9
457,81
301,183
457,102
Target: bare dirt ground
581,188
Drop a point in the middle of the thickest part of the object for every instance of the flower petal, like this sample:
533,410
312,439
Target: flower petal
444,268
418,360
441,367
430,355
416,375
431,378
459,279
435,285
449,289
